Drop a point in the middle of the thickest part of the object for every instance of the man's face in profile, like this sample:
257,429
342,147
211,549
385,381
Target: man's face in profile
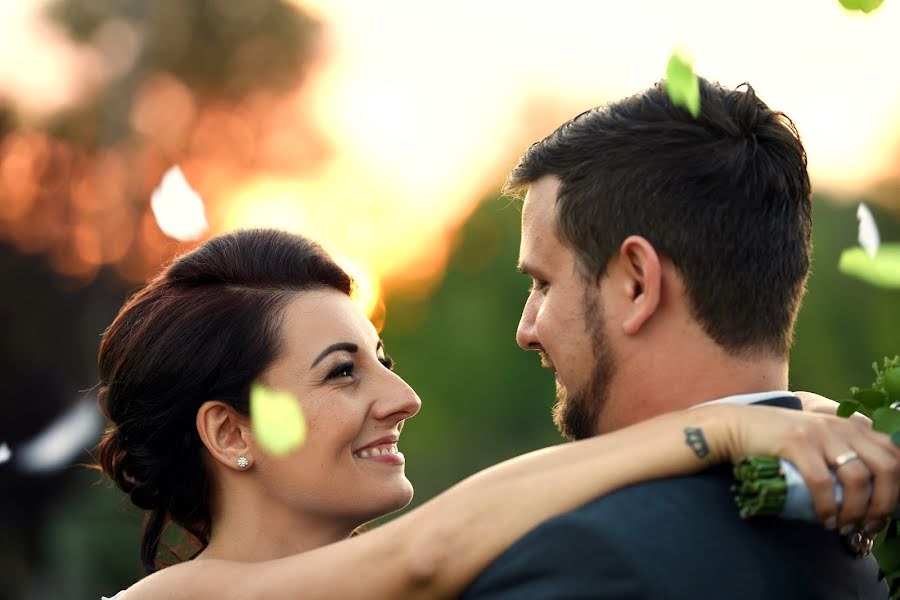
563,317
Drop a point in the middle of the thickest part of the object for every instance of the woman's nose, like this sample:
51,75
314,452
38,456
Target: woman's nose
397,400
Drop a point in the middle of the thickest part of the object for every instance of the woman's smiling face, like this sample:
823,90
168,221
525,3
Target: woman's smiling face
332,360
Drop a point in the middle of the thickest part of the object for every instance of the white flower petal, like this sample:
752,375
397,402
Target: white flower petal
178,208
869,238
5,453
63,440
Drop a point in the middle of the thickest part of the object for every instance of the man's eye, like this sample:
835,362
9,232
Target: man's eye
537,285
387,361
345,369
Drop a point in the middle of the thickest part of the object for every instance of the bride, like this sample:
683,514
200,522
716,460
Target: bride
176,366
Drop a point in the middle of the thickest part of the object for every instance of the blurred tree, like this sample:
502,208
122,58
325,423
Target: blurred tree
208,85
222,50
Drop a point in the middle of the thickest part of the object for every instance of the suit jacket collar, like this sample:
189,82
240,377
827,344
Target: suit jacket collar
781,398
786,401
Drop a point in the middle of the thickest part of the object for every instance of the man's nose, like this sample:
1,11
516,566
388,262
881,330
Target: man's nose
526,333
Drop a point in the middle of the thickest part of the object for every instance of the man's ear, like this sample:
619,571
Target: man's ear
642,275
225,433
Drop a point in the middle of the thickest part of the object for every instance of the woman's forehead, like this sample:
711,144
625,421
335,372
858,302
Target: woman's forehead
318,318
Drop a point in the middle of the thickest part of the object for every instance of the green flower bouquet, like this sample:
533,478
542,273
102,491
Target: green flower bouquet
773,487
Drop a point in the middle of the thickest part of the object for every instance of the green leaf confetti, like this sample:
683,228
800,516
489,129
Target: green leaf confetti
277,419
865,6
882,271
682,85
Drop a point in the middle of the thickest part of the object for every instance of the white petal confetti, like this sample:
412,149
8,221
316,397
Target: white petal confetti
178,208
73,432
869,238
5,453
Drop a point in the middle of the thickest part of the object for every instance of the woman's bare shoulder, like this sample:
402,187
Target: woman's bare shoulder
194,579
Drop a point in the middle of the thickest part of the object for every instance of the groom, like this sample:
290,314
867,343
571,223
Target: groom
668,256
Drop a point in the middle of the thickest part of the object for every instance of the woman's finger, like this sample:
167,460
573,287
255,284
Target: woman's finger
816,475
855,478
884,466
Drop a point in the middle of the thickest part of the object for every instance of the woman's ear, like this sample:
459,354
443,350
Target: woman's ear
642,272
226,434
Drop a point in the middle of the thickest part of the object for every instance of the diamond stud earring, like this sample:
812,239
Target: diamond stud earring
242,462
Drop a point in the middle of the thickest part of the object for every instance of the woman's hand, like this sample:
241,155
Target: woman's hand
865,461
820,404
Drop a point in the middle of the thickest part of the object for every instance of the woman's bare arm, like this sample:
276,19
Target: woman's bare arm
436,550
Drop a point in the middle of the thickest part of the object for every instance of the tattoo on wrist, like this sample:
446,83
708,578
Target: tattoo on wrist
693,437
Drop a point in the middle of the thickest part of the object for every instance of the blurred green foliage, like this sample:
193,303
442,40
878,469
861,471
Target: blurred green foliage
844,322
483,399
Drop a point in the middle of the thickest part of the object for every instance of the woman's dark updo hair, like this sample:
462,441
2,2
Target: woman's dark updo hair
203,329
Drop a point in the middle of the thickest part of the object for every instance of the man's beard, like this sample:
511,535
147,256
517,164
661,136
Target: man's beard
576,412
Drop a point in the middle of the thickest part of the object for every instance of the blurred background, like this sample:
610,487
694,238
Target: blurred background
384,130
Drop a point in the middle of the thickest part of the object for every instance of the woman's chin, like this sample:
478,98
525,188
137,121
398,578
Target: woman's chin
403,496
398,499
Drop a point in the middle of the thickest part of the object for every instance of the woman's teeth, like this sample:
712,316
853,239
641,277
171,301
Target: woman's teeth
376,451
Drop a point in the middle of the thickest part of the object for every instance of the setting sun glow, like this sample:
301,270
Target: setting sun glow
411,114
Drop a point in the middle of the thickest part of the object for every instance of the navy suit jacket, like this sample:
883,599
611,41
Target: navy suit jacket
678,538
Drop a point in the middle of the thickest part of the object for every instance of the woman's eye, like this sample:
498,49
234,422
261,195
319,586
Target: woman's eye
387,361
342,370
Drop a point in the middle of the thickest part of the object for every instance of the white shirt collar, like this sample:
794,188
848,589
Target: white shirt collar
746,398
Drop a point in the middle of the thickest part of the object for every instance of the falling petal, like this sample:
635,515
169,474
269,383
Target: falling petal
869,237
178,208
5,453
882,271
682,85
865,6
76,430
278,422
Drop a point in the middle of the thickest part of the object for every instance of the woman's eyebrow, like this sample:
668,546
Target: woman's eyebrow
339,347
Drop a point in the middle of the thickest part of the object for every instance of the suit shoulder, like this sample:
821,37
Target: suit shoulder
707,494
564,557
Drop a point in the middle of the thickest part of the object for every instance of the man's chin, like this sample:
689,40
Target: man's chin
575,414
562,393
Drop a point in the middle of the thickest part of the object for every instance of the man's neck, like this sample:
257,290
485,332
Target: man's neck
642,390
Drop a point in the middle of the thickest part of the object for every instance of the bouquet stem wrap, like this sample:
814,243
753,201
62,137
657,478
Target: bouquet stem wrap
774,487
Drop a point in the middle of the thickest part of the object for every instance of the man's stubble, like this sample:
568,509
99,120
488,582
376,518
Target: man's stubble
576,413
